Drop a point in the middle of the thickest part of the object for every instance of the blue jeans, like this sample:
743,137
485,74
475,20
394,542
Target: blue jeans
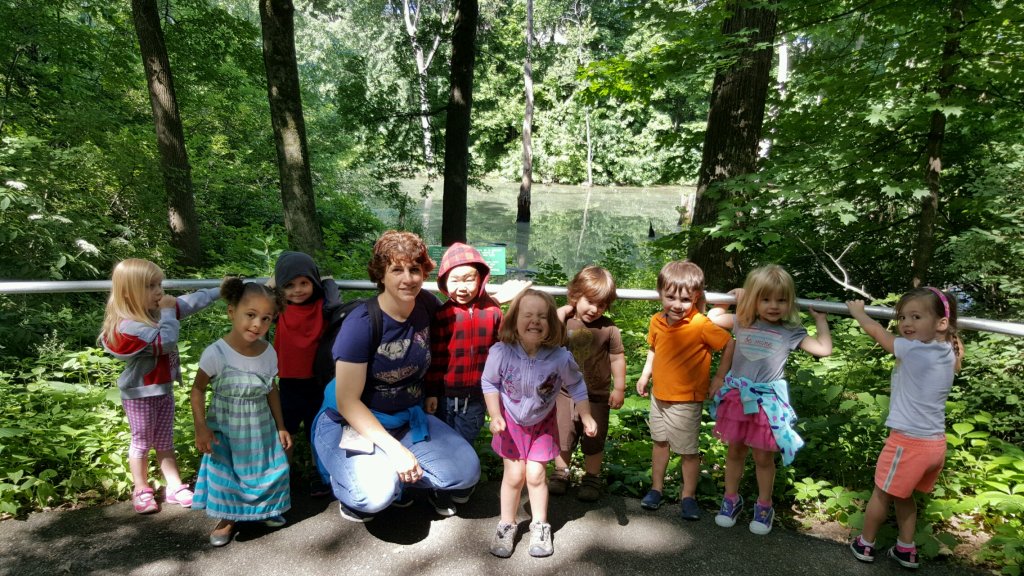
368,483
465,416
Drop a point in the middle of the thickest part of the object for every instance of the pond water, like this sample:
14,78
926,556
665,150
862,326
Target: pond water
572,225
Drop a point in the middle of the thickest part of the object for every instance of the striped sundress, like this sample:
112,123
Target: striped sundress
246,477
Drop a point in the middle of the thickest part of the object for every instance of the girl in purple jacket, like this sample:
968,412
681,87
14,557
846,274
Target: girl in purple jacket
521,380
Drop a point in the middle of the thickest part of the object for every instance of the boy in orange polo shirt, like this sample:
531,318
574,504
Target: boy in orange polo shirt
681,341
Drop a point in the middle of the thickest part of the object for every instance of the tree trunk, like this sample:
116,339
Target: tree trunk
924,247
525,186
734,126
411,14
170,137
457,124
277,22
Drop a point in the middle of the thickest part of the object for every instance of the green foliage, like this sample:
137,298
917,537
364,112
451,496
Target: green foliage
841,176
64,438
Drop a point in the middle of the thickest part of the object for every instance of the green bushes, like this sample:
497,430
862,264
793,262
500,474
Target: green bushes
63,434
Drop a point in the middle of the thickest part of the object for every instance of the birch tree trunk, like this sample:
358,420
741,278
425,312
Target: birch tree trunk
411,16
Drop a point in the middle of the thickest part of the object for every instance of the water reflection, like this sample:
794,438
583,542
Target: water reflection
568,227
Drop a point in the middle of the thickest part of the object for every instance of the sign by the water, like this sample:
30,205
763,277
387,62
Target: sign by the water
494,256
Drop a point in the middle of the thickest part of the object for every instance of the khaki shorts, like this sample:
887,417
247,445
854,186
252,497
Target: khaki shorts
677,423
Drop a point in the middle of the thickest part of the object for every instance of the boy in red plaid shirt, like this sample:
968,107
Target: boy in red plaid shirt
461,334
464,329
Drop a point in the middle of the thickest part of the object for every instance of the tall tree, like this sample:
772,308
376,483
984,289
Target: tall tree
733,132
170,137
277,19
526,184
924,247
412,14
457,123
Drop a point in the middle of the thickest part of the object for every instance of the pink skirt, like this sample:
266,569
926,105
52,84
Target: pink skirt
538,442
733,426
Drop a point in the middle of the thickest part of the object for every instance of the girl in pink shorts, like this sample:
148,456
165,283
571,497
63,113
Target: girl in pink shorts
521,380
751,403
928,353
141,328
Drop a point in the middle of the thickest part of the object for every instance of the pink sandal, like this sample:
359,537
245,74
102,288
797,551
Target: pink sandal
144,501
181,496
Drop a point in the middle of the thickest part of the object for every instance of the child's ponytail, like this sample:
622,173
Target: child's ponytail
948,308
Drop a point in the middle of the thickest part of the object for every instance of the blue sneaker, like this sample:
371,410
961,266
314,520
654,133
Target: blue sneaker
652,501
689,510
729,511
763,517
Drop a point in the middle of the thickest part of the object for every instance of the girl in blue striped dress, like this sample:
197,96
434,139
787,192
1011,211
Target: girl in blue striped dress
244,473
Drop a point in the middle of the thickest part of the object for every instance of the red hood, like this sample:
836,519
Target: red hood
460,254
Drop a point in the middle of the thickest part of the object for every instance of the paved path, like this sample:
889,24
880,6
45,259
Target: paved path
614,536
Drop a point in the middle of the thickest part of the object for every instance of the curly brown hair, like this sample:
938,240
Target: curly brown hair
397,246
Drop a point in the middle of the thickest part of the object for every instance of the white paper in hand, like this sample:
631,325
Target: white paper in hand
354,441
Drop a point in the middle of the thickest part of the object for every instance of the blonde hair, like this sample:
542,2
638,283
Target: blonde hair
683,275
943,305
594,283
768,281
507,332
129,284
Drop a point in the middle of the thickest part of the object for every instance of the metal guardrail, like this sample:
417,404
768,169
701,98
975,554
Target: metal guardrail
879,312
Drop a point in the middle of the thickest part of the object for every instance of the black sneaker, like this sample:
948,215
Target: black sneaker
906,559
404,501
462,496
442,502
318,489
353,515
862,551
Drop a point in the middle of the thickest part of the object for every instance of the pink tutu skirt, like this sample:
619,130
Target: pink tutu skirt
733,426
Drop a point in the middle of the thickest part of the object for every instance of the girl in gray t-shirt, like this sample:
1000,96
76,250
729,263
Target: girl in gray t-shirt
928,353
751,407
